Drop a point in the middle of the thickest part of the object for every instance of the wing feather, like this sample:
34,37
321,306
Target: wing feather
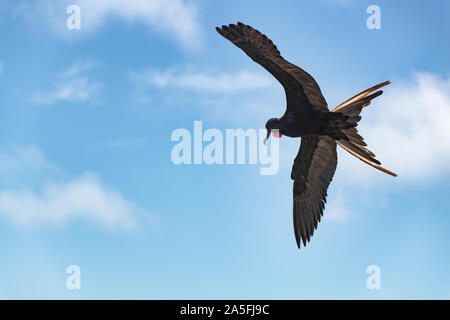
303,94
312,173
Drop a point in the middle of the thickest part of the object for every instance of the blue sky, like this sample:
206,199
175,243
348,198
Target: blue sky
87,178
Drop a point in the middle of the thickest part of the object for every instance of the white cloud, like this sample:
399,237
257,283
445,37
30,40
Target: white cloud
244,95
78,89
73,86
338,210
21,159
18,163
56,203
1,68
176,17
201,81
77,69
408,129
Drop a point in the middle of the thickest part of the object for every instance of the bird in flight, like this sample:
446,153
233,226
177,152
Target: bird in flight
307,116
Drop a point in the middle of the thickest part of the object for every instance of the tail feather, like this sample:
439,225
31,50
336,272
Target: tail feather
370,163
361,151
361,95
353,135
353,142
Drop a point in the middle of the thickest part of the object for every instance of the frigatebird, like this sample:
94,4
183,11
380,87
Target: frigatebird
307,116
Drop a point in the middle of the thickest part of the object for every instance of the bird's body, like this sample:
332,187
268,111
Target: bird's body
291,125
308,117
319,123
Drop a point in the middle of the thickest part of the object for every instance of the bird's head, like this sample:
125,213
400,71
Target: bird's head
273,126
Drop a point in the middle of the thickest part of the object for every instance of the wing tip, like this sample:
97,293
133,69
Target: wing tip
239,23
301,239
299,242
220,30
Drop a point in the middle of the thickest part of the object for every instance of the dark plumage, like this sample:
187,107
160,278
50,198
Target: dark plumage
307,116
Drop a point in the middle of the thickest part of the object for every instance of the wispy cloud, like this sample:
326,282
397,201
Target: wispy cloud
21,158
228,95
252,96
1,68
202,81
176,17
338,210
409,129
56,203
77,69
20,162
72,85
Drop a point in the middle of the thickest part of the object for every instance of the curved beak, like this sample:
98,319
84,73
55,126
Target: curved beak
267,136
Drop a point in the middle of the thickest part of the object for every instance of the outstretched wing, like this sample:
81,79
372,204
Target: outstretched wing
312,173
303,94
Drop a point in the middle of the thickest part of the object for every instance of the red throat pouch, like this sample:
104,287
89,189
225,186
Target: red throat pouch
276,134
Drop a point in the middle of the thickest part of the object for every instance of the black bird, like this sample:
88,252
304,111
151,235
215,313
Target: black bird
307,116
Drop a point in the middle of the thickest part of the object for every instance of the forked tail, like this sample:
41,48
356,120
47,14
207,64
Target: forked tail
354,143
